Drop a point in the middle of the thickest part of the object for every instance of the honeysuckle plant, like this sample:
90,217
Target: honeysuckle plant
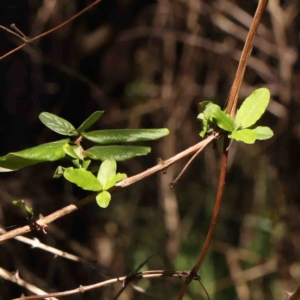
242,128
109,152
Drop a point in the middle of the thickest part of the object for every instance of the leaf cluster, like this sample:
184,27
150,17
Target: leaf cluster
242,128
109,151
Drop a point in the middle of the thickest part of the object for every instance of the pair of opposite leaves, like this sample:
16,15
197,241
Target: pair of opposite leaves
107,177
243,127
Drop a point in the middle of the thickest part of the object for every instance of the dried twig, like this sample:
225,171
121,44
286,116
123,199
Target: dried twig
15,278
124,280
27,40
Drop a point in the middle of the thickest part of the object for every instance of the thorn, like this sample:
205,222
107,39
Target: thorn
171,185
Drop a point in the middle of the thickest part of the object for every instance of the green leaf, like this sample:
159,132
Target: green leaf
31,156
83,178
57,124
76,163
79,152
103,199
117,153
94,117
204,104
59,172
247,136
86,163
201,117
263,132
124,135
70,151
22,204
223,120
107,170
205,128
252,108
112,181
213,113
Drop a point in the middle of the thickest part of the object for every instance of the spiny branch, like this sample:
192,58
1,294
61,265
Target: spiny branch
124,280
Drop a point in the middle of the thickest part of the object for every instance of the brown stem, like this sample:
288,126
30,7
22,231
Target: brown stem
231,109
236,86
124,280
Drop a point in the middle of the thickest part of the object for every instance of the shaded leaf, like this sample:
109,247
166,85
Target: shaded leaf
31,156
117,153
125,135
94,117
76,163
263,132
83,178
252,108
57,124
59,172
247,136
22,204
103,199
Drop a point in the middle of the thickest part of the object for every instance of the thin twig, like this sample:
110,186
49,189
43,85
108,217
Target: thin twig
135,271
172,184
123,280
35,243
15,278
231,109
204,289
162,165
13,33
47,32
295,295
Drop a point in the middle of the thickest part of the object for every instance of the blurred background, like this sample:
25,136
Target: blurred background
148,64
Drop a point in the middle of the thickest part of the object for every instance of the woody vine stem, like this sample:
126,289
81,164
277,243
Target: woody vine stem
231,109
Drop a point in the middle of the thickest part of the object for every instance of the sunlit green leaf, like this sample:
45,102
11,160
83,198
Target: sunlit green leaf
263,132
223,120
31,156
94,117
57,124
252,108
79,152
125,135
83,178
103,199
213,113
107,170
112,181
117,153
247,136
70,151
